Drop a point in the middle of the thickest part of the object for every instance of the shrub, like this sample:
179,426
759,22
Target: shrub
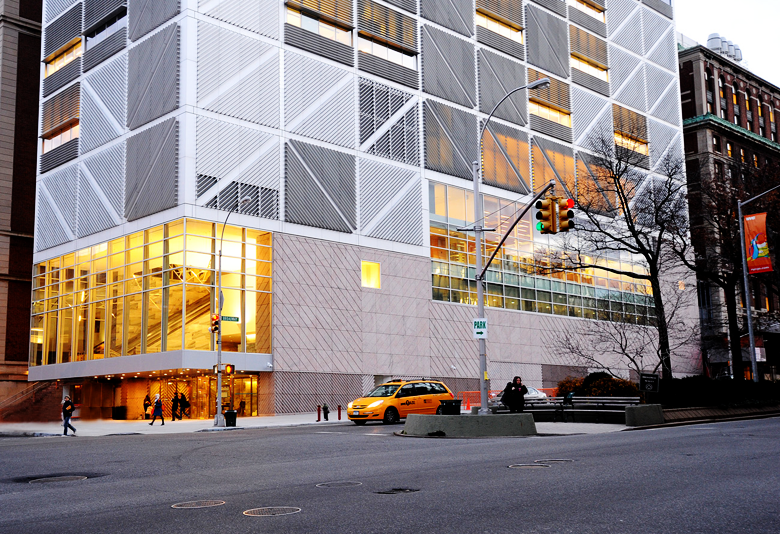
611,387
569,384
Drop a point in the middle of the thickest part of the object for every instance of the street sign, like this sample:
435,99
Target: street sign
649,383
230,319
480,328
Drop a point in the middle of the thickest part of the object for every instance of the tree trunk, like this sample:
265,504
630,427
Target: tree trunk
663,329
735,339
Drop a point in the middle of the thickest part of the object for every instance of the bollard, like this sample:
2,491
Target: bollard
318,412
339,409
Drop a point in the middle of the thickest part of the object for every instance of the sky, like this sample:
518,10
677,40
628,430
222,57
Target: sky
752,24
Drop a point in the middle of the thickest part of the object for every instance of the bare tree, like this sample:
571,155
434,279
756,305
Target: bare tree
624,209
714,251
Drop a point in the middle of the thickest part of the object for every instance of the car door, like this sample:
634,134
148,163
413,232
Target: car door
407,401
427,398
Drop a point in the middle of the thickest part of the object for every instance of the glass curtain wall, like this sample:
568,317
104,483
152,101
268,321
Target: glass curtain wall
153,291
520,277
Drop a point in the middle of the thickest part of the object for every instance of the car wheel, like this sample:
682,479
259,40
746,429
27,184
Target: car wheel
391,416
359,423
438,410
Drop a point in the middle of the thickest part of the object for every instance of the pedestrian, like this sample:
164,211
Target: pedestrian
147,405
184,404
157,410
67,413
175,404
241,408
514,395
325,411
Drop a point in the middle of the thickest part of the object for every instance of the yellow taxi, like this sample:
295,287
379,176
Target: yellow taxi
394,400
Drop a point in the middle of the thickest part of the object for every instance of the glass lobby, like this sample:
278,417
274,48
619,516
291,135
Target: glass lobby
520,276
153,291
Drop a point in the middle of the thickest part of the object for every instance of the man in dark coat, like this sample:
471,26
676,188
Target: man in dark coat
514,395
67,413
175,407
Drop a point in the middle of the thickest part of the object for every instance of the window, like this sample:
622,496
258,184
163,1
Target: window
320,27
551,114
747,103
108,28
375,48
722,113
742,155
716,143
632,143
590,68
750,125
755,161
720,87
728,149
734,93
501,28
588,9
760,110
718,171
63,59
60,137
761,131
371,276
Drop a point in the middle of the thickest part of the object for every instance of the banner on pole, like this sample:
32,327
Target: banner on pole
758,259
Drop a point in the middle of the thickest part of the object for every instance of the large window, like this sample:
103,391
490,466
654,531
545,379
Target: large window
63,59
153,291
396,55
60,137
550,113
107,29
589,67
501,28
525,275
320,27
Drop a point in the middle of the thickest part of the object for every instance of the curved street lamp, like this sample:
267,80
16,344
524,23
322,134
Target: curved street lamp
478,230
219,418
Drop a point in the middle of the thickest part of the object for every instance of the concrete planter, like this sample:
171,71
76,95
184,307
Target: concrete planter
644,415
469,426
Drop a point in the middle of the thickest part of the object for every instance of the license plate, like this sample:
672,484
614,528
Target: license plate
356,412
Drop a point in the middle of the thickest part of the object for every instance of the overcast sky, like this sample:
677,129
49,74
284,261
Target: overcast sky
752,24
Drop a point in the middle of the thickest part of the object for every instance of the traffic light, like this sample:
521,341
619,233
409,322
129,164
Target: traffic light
565,214
214,323
545,216
230,369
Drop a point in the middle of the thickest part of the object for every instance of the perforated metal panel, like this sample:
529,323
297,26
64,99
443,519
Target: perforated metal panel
107,168
622,66
319,45
62,31
55,7
61,108
338,10
388,122
448,67
617,14
95,11
556,6
588,46
665,53
586,107
653,27
501,43
658,80
105,49
633,92
588,22
62,77
505,158
104,102
49,232
668,107
379,184
152,175
93,216
380,21
629,35
511,10
387,69
231,85
661,138
96,129
404,222
302,392
450,139
63,188
547,41
146,15
408,5
153,77
320,187
497,76
457,15
317,98
259,16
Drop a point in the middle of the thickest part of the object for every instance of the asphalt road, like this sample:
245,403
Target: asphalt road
713,478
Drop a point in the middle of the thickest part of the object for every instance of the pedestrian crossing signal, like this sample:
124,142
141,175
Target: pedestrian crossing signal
230,369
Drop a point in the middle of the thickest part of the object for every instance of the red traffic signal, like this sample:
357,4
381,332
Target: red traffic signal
214,323
565,215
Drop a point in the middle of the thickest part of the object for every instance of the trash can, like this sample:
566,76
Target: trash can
230,417
119,413
450,407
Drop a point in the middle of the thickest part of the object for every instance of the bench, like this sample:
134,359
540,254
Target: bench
589,409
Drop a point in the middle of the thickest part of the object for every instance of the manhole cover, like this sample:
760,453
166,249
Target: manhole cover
272,510
338,484
197,504
395,491
553,461
57,479
529,466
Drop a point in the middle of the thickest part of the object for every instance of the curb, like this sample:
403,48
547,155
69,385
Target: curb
702,421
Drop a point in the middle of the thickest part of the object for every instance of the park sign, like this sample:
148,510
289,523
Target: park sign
758,259
648,382
480,328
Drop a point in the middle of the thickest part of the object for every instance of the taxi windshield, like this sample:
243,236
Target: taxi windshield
385,390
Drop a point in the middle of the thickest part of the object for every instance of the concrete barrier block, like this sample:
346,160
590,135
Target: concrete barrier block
469,426
644,415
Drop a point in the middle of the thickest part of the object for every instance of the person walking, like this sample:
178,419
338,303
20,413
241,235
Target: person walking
175,405
514,395
184,405
157,410
147,405
67,413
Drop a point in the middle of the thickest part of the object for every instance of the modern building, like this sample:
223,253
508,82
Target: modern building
729,122
20,42
350,126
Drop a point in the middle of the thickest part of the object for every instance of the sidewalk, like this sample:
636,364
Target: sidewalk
108,427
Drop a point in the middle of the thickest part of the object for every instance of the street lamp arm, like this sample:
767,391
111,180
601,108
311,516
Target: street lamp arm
759,196
533,85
